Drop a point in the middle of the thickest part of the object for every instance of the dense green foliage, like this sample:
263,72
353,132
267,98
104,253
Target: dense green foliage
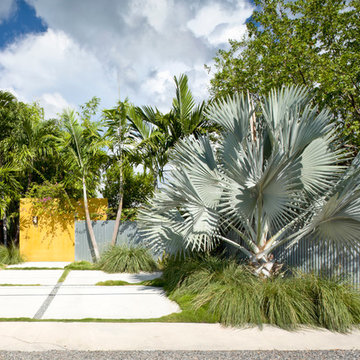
137,189
231,294
304,42
127,258
79,152
275,178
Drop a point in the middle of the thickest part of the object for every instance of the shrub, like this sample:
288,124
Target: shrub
124,258
10,255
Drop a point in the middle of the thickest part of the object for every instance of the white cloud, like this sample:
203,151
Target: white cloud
54,103
54,70
218,23
92,45
6,8
155,11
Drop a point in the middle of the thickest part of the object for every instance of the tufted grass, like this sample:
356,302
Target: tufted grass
126,259
10,255
232,294
81,265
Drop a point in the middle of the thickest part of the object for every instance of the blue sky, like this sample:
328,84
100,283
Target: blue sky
62,52
22,20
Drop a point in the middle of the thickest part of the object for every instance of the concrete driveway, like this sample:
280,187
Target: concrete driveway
38,294
43,297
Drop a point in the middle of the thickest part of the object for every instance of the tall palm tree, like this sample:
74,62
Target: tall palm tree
150,138
157,133
279,187
119,142
81,145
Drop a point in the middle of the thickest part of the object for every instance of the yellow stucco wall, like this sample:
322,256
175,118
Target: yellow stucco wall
53,237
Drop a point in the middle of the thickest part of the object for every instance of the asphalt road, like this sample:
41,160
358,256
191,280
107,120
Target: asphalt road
181,355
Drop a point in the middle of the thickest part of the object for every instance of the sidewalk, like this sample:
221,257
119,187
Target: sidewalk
40,336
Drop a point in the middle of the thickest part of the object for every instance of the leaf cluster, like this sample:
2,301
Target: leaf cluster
312,43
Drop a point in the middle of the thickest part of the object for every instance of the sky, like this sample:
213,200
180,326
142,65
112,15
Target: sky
61,53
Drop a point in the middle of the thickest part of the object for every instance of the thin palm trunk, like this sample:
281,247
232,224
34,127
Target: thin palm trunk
119,211
155,176
4,225
89,226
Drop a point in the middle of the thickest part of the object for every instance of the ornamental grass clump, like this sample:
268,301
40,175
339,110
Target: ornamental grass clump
10,255
232,294
178,271
127,258
236,297
337,304
287,303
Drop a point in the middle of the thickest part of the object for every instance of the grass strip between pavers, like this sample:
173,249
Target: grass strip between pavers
157,282
64,275
20,284
34,268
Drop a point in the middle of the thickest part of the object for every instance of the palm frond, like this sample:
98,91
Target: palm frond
232,114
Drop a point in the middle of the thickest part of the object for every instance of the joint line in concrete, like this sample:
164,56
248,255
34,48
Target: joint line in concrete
40,313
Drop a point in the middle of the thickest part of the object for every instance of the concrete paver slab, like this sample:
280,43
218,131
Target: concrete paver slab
109,302
41,264
42,277
165,336
22,301
91,277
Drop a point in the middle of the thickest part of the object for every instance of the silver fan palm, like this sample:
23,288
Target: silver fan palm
271,180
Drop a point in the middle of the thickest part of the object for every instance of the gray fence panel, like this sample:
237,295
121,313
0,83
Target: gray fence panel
326,259
103,230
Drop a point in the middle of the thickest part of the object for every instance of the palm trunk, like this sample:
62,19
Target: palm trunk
89,226
265,266
252,119
155,176
4,228
119,211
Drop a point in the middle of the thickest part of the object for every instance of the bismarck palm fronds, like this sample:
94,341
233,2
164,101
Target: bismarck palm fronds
279,181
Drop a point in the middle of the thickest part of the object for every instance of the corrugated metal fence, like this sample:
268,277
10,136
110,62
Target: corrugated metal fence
325,259
103,233
305,255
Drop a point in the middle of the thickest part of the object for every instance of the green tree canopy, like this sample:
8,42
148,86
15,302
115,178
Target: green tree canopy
137,188
305,42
